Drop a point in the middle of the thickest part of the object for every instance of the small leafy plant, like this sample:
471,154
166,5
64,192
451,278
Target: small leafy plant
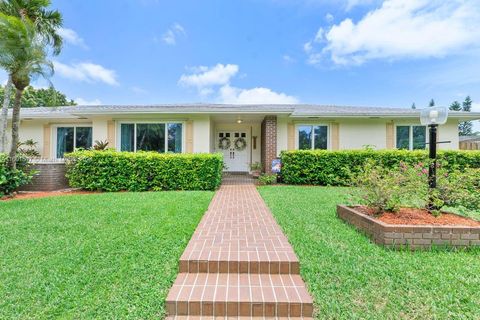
267,179
28,148
385,189
11,180
380,189
100,145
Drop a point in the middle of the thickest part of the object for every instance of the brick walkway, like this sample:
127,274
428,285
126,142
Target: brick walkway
239,262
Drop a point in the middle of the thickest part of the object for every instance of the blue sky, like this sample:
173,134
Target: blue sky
346,52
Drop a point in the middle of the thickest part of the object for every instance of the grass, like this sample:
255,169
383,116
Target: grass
102,256
351,278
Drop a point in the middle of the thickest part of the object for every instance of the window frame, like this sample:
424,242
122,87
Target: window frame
55,127
410,135
135,122
316,124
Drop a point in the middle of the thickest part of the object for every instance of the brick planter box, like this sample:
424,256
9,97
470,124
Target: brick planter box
50,177
415,237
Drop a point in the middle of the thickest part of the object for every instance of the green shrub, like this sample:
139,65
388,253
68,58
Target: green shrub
143,171
323,167
384,189
12,180
267,179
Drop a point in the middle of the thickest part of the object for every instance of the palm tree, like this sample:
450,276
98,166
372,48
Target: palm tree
23,54
47,23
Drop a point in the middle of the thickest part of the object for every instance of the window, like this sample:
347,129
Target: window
71,138
159,137
312,137
411,137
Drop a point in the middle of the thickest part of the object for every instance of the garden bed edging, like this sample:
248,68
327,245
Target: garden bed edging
415,237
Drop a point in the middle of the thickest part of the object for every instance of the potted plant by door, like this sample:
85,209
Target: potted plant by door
256,169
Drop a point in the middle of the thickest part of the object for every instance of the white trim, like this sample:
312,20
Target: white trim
315,124
118,132
410,134
232,130
54,132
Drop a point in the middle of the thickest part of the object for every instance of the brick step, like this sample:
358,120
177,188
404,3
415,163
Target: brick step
244,295
264,262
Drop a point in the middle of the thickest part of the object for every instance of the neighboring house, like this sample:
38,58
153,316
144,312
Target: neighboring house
470,142
243,133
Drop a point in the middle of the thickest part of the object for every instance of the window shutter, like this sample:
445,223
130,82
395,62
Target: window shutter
291,136
189,137
390,135
111,134
335,129
47,137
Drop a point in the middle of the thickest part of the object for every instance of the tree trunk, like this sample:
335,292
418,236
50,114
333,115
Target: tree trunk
4,115
15,125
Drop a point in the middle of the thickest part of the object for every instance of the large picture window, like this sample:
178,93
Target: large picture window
411,137
159,137
71,138
312,137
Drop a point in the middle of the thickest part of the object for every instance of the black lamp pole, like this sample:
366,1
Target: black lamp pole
432,171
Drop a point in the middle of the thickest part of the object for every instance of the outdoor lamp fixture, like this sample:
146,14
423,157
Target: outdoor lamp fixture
239,121
433,117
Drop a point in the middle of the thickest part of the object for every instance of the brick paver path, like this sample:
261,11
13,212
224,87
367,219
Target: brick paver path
239,262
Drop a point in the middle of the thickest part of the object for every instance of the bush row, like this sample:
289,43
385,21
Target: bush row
323,167
143,171
11,180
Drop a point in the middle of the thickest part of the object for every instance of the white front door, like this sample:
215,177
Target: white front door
235,148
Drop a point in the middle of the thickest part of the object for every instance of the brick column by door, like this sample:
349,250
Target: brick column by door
269,142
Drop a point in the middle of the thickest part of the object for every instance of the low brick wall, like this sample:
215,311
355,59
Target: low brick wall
411,236
50,177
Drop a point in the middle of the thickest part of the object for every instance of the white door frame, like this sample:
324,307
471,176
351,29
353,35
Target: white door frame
232,129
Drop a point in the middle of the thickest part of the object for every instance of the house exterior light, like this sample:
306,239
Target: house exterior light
434,116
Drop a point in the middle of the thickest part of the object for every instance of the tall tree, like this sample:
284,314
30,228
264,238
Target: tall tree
23,55
48,97
431,103
414,106
466,128
455,106
47,23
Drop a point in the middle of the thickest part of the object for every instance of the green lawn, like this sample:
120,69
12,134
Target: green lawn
94,256
351,278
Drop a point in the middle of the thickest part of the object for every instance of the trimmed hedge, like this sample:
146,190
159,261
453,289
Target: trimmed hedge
323,167
143,171
12,180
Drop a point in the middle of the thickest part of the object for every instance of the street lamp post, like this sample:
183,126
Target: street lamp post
433,117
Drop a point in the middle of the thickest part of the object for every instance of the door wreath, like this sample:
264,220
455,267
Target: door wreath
240,144
224,143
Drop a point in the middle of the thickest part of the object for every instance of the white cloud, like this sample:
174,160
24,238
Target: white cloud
86,72
215,81
402,29
170,36
70,36
228,94
288,59
329,17
354,3
205,77
83,102
138,90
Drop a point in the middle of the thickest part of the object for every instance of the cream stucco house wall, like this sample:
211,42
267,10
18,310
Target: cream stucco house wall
245,134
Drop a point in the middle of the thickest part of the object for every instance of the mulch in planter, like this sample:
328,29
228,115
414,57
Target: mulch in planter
413,216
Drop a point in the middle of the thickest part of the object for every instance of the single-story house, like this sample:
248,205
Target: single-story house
245,134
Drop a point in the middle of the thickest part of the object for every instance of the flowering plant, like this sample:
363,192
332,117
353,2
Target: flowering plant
387,190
